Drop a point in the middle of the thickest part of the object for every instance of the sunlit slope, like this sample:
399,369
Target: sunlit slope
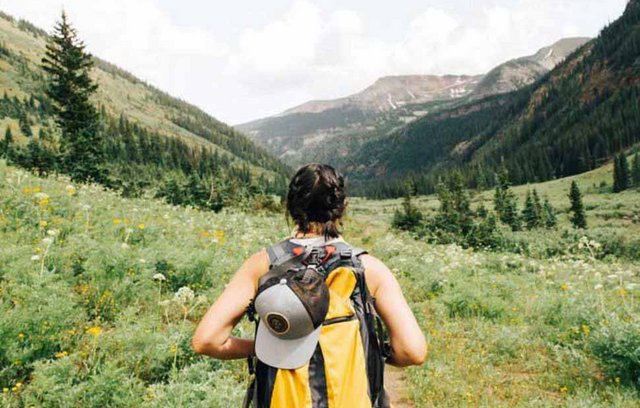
123,93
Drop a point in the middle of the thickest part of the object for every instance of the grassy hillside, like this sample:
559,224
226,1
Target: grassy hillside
86,319
571,121
120,94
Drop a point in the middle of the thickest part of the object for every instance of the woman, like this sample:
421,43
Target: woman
316,203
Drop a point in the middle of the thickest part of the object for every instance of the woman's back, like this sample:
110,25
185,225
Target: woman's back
339,362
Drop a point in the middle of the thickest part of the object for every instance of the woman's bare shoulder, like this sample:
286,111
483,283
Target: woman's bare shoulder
255,265
376,272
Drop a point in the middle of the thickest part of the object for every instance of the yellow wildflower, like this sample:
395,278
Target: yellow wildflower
141,226
21,335
5,390
61,354
117,221
586,329
43,223
564,286
94,331
43,202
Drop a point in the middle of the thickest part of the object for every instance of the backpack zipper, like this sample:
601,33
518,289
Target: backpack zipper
339,320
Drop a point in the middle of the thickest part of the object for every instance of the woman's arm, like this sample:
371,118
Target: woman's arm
408,344
213,334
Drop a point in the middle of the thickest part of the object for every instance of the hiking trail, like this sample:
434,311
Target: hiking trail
394,383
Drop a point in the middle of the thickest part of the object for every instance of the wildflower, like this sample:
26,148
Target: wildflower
43,223
86,207
598,286
117,221
94,331
159,277
21,335
184,295
124,245
61,354
47,241
5,390
71,190
142,261
141,226
129,230
564,287
52,232
35,258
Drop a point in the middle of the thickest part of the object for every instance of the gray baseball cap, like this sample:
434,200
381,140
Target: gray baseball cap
291,307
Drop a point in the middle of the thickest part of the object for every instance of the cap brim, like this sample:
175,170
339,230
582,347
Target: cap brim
281,353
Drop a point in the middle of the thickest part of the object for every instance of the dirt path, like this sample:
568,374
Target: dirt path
396,387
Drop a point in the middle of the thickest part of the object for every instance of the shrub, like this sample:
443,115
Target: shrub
617,346
409,218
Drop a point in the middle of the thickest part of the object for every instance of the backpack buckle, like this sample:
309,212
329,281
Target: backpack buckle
313,258
346,254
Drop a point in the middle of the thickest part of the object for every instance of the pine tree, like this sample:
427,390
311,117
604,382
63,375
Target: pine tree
70,87
635,170
579,218
621,173
506,203
549,215
7,143
530,213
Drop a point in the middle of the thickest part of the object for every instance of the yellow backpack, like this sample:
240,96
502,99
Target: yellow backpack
347,366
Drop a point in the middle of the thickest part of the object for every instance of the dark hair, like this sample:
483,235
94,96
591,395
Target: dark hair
316,194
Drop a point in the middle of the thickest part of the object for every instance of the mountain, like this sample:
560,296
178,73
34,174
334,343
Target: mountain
152,137
515,74
570,121
392,92
304,133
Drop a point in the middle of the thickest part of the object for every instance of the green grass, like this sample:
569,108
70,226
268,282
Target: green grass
83,323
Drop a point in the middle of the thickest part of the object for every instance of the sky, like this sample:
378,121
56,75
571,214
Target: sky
246,59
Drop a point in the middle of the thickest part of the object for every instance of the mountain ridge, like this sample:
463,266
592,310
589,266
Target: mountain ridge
304,133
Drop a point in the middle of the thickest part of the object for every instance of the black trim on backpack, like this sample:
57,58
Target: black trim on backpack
318,380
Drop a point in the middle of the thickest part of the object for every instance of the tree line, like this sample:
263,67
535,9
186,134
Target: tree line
456,222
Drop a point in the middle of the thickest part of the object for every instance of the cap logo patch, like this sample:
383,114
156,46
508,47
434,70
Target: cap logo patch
277,323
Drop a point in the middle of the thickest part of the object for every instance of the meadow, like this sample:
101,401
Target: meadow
99,296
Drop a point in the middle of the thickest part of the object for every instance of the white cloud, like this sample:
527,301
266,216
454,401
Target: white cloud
310,51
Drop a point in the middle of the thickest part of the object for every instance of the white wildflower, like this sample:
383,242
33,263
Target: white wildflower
159,277
47,241
184,295
142,261
598,286
35,258
124,245
52,232
41,196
